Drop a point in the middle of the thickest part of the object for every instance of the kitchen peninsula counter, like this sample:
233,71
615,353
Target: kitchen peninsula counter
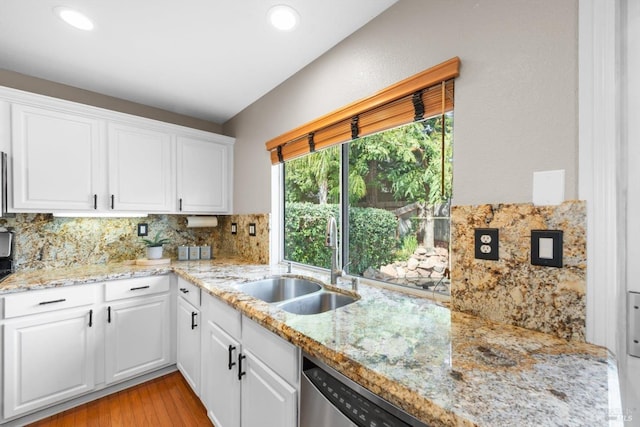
443,367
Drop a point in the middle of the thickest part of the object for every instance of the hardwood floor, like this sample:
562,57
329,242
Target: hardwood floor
165,401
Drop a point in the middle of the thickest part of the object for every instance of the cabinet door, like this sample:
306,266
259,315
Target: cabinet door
266,396
188,337
48,358
204,176
140,169
137,336
56,160
220,385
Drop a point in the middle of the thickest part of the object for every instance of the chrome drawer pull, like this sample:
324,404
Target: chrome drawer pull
53,301
139,287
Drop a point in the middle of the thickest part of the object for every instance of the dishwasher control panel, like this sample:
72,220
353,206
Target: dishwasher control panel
360,410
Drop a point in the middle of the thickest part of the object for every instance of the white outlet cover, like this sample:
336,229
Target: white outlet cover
548,187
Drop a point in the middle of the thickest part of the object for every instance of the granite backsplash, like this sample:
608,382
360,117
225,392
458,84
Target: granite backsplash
44,241
512,290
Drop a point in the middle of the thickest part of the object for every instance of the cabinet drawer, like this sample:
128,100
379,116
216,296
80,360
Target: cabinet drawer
278,354
33,302
189,291
228,318
130,288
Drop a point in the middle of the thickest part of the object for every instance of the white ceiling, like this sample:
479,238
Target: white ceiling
203,58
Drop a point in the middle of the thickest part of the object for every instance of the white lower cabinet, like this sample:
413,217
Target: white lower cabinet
220,384
138,333
188,334
48,356
62,343
266,396
137,337
250,375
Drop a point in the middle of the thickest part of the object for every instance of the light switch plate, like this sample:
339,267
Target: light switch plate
546,248
143,229
486,243
633,332
252,229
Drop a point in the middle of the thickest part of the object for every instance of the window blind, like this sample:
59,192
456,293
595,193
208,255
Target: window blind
420,96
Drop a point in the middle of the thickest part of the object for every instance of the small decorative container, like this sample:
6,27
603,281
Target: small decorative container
183,253
205,252
194,252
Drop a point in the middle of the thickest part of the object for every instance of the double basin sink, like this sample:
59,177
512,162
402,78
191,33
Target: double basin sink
296,295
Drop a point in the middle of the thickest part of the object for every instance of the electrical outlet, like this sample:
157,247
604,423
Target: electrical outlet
234,228
486,243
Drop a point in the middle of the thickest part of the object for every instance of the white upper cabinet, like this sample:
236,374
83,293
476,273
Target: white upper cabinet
204,176
56,160
69,157
140,169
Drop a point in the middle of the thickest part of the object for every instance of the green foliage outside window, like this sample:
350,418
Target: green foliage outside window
305,222
372,238
305,225
405,162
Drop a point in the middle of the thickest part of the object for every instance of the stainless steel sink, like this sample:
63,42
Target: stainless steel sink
317,303
275,289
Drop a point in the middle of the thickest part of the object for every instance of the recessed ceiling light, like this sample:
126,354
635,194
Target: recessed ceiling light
74,18
283,17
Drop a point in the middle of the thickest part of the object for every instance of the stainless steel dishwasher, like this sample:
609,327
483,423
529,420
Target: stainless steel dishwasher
329,399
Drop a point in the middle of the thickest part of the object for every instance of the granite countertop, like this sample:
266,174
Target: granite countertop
443,367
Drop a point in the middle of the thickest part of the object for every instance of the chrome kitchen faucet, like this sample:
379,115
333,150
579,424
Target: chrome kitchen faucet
332,242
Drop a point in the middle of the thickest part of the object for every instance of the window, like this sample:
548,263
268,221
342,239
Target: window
311,195
396,205
381,167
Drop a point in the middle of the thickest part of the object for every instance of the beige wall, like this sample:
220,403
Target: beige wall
45,87
516,97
